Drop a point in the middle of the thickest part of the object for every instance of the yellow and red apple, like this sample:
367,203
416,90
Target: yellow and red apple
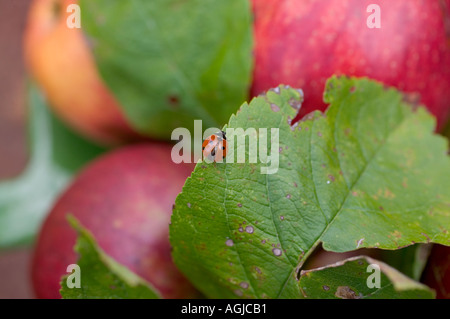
59,59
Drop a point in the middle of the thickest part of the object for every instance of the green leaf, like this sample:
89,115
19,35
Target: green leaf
410,260
170,62
350,279
368,173
101,277
56,154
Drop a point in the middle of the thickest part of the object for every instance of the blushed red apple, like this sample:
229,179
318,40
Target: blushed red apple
61,62
302,42
125,199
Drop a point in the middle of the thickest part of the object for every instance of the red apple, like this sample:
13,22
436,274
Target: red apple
302,42
60,61
437,272
125,199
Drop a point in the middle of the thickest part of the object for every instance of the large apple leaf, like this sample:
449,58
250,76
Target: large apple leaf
170,62
355,278
369,172
100,276
56,154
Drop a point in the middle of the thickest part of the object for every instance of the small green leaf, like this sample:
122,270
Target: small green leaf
56,154
101,277
367,173
170,62
354,279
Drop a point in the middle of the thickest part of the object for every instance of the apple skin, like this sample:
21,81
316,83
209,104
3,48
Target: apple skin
60,61
125,199
301,43
437,272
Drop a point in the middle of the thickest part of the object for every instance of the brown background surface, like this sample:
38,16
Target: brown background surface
14,274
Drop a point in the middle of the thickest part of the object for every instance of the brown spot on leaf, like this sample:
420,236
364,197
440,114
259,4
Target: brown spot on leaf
405,182
344,292
397,234
294,126
307,117
244,285
347,131
173,100
295,103
388,194
274,107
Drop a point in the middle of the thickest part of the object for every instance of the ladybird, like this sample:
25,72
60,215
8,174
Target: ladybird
215,147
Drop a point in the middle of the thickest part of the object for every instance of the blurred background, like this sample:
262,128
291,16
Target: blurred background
14,280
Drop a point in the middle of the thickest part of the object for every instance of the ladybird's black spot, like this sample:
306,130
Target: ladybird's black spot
203,148
223,147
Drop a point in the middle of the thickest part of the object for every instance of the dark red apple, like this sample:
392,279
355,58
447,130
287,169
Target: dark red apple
437,272
125,199
302,42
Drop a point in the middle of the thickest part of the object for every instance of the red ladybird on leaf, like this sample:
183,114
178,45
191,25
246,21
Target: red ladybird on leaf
215,147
